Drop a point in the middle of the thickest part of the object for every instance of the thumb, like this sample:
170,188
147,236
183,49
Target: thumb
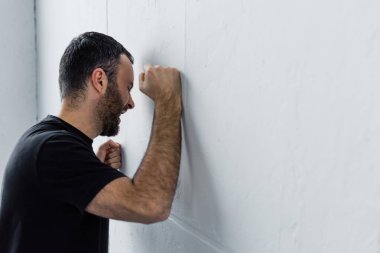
109,144
105,145
112,144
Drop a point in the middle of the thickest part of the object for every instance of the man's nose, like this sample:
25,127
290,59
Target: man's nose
131,103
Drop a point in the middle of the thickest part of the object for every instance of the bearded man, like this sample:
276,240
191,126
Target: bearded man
57,193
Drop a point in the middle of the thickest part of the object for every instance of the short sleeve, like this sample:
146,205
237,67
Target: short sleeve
69,171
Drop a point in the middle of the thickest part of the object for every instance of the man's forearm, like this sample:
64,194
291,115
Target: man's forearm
157,175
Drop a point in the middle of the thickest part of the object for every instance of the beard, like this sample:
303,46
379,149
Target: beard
109,110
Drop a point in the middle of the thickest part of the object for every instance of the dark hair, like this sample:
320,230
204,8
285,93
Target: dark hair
85,53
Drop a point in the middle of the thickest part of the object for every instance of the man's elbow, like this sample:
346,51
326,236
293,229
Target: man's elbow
158,213
163,215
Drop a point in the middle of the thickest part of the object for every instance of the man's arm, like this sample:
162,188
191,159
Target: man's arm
148,196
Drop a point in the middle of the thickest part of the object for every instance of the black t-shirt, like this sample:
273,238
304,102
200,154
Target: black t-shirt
50,178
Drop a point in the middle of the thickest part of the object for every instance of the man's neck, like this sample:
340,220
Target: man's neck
80,119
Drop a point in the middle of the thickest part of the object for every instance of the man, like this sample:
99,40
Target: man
57,194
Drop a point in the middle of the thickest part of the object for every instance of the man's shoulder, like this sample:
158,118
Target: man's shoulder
45,127
37,136
51,129
50,139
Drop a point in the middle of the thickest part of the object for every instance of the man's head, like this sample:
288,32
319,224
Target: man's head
97,60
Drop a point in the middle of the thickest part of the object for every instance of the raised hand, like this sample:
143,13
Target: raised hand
161,84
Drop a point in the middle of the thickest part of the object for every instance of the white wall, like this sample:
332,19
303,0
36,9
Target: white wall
58,22
281,126
18,108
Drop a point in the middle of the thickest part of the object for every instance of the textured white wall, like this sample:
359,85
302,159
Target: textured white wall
281,125
57,23
18,108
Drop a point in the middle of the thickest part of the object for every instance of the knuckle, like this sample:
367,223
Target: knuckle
149,70
176,72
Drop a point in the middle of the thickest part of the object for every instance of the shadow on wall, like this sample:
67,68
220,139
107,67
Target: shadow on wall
195,223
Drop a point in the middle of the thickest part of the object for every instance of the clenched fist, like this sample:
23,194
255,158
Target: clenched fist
161,84
110,153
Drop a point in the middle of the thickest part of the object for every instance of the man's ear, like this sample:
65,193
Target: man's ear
99,80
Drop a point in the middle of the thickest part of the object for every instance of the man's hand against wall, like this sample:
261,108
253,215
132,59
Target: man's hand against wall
110,153
161,84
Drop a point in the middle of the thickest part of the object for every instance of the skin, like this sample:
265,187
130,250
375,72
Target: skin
148,196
